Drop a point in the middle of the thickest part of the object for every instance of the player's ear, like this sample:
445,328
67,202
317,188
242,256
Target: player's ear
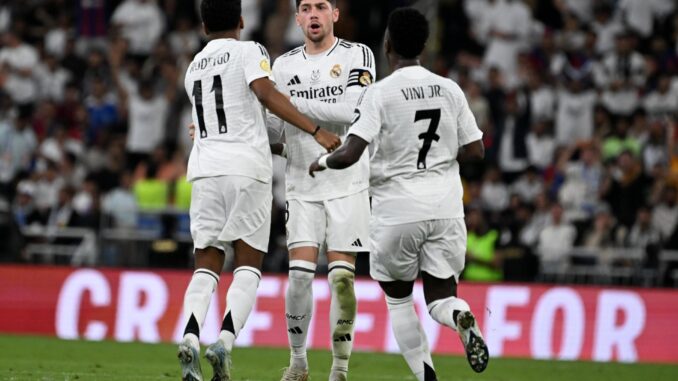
242,23
387,44
204,28
335,14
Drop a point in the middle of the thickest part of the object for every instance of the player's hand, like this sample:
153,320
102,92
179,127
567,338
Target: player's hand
329,140
191,131
315,167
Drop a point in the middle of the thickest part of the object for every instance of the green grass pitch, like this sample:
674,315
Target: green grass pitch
47,359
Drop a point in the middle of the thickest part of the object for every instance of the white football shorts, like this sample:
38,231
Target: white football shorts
228,208
400,252
343,223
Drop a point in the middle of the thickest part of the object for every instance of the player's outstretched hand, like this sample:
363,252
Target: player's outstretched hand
191,131
329,140
315,167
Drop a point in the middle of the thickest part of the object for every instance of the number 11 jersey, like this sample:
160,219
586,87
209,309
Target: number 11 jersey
416,122
230,132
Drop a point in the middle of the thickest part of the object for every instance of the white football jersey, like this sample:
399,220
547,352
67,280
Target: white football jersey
326,88
415,121
230,131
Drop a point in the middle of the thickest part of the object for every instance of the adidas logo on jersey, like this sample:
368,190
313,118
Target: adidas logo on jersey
357,243
294,81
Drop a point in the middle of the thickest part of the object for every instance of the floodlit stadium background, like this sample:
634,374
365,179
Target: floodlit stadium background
578,101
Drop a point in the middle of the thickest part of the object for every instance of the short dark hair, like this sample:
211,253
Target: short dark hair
408,32
333,2
220,15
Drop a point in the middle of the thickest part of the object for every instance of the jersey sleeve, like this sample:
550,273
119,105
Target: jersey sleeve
468,130
361,74
367,116
256,63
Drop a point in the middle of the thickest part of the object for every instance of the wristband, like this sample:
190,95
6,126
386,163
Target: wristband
322,161
317,128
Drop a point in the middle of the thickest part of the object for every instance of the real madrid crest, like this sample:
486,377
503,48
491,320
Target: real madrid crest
365,78
336,71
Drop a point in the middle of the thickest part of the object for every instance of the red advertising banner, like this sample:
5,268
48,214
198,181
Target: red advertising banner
535,321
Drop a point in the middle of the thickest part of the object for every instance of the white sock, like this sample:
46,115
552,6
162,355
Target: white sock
299,309
196,301
342,313
445,311
240,299
411,337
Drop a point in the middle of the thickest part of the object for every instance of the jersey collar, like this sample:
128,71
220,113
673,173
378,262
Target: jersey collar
329,51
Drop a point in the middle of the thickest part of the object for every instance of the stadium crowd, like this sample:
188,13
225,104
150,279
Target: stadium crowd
578,101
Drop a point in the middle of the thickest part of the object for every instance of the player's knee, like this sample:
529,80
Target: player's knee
341,280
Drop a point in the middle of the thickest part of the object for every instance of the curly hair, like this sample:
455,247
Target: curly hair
408,32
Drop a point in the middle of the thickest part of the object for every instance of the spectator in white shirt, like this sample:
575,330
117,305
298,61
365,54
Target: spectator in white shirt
529,185
556,240
665,214
574,117
17,64
624,65
606,28
52,79
662,101
141,23
540,145
494,194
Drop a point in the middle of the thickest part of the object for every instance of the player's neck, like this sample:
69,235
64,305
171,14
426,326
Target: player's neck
400,63
323,45
225,34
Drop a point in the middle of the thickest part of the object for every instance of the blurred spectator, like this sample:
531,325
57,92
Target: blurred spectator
511,131
643,234
665,214
626,188
574,116
141,23
23,208
622,66
482,261
556,239
51,79
102,109
606,28
620,141
604,234
656,150
540,146
505,25
145,108
17,143
528,186
184,39
494,194
17,62
662,102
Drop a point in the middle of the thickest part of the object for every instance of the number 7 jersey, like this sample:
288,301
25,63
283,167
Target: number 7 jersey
416,122
230,132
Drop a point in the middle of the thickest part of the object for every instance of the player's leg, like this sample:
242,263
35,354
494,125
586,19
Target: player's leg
248,227
347,234
394,263
208,264
442,260
304,220
343,306
207,219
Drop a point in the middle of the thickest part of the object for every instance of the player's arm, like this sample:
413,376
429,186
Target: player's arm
361,75
257,67
470,137
278,104
472,151
365,128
